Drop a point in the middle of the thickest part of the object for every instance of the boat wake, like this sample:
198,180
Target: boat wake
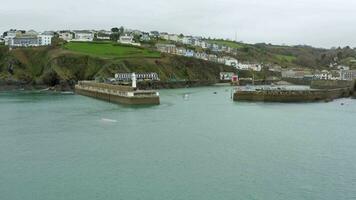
108,120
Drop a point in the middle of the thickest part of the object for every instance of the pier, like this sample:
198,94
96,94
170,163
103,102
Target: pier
117,93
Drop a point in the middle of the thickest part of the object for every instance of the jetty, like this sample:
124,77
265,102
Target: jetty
121,94
285,95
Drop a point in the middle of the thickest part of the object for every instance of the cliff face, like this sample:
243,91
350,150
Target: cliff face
52,66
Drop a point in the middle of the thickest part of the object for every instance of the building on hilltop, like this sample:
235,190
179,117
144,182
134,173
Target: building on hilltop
145,37
154,34
103,35
24,40
187,40
348,75
83,36
231,62
167,48
45,38
65,35
30,38
201,55
322,75
189,53
128,39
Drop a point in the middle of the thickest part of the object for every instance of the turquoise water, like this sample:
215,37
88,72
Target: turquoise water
71,147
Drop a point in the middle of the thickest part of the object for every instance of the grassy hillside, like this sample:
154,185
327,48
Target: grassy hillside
110,50
84,61
290,56
231,44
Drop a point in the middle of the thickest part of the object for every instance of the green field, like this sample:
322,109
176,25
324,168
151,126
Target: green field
110,50
230,44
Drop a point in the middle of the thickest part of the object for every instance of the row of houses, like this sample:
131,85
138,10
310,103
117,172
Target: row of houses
173,49
88,36
319,75
21,38
192,41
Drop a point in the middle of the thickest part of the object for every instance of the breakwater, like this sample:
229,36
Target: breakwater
292,95
117,93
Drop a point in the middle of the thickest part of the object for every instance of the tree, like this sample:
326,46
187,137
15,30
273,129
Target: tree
115,30
115,36
121,30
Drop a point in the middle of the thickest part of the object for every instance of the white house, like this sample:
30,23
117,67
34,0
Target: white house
127,39
145,37
323,75
203,44
221,60
103,35
65,35
164,36
83,36
343,67
187,40
9,35
189,53
231,62
167,48
201,55
348,75
254,67
45,39
173,37
181,51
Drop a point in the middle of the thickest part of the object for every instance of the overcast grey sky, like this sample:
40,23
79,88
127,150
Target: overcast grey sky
321,23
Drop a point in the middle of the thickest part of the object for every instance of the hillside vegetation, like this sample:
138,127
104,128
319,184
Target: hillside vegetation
74,61
290,56
79,61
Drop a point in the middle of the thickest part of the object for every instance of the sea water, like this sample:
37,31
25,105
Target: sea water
198,144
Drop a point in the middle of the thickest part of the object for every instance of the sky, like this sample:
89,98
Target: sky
320,23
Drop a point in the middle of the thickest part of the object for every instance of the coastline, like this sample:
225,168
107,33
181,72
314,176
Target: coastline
11,85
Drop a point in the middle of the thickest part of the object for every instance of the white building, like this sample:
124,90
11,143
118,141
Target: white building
65,35
248,66
45,39
343,67
231,62
323,75
173,37
187,40
8,38
128,39
83,36
23,40
348,75
167,48
164,36
103,35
